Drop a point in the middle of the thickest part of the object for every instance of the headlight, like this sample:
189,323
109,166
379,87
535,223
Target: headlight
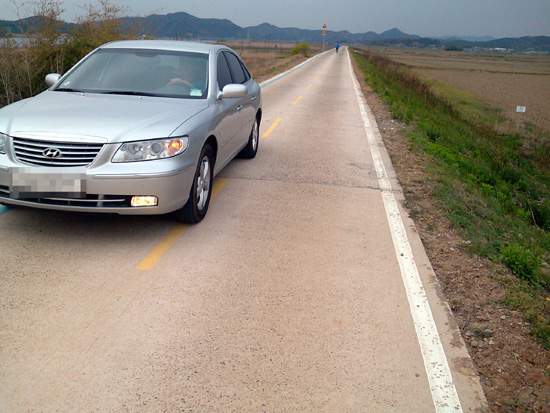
150,150
3,139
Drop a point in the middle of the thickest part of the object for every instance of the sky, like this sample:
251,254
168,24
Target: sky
426,18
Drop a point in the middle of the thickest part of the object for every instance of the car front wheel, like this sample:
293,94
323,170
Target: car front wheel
199,196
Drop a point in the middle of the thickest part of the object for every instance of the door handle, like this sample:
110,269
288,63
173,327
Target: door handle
253,98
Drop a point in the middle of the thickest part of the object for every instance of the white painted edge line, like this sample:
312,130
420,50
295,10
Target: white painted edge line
444,394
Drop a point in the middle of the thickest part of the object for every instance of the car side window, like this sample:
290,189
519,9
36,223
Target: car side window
236,68
245,70
224,75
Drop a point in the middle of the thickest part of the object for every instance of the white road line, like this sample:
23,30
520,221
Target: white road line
442,387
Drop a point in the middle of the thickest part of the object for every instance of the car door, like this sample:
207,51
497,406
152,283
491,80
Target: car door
229,119
240,75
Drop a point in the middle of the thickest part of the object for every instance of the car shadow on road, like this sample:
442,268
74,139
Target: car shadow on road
81,226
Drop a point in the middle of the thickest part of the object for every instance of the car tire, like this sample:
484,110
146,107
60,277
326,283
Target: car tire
251,148
201,191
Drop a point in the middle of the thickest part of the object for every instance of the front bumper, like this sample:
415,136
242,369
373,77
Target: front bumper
103,187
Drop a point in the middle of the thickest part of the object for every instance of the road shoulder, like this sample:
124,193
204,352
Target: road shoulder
464,373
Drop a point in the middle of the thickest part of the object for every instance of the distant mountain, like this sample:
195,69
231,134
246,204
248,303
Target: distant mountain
181,25
540,43
526,43
395,34
176,25
185,26
27,25
266,31
465,38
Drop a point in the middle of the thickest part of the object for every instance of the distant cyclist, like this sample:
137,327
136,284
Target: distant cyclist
337,47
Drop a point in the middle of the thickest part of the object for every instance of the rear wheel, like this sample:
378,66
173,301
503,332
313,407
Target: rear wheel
251,148
199,196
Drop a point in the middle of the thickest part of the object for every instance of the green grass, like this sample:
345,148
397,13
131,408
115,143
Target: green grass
470,106
493,191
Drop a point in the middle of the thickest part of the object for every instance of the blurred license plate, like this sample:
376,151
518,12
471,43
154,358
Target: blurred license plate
37,182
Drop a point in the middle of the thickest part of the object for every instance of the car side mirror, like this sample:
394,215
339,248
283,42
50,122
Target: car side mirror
233,91
52,79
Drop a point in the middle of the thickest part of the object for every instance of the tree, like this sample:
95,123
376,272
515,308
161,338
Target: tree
300,48
98,26
23,69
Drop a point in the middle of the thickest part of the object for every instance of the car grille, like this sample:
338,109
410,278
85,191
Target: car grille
48,153
91,201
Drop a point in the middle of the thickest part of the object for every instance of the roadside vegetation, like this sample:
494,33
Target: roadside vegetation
48,49
493,187
302,48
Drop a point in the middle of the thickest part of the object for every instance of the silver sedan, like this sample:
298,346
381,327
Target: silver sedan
136,127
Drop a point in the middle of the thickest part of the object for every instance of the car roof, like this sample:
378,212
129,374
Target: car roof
170,45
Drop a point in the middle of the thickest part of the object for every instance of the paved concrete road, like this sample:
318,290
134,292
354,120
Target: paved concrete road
290,296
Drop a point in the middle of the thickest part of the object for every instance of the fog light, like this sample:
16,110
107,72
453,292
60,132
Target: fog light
140,201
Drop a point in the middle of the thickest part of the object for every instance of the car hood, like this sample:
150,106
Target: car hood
112,118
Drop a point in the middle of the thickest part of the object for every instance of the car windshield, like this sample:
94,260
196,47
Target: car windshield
141,72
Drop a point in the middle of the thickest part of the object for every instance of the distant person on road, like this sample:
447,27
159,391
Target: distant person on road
337,47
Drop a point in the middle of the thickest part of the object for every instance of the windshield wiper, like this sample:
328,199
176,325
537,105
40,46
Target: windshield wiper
128,92
68,89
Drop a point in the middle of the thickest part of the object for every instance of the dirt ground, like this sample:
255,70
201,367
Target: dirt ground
505,81
514,368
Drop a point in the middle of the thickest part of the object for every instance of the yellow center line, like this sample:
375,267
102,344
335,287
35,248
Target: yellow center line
316,77
271,128
165,244
309,87
219,183
297,100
